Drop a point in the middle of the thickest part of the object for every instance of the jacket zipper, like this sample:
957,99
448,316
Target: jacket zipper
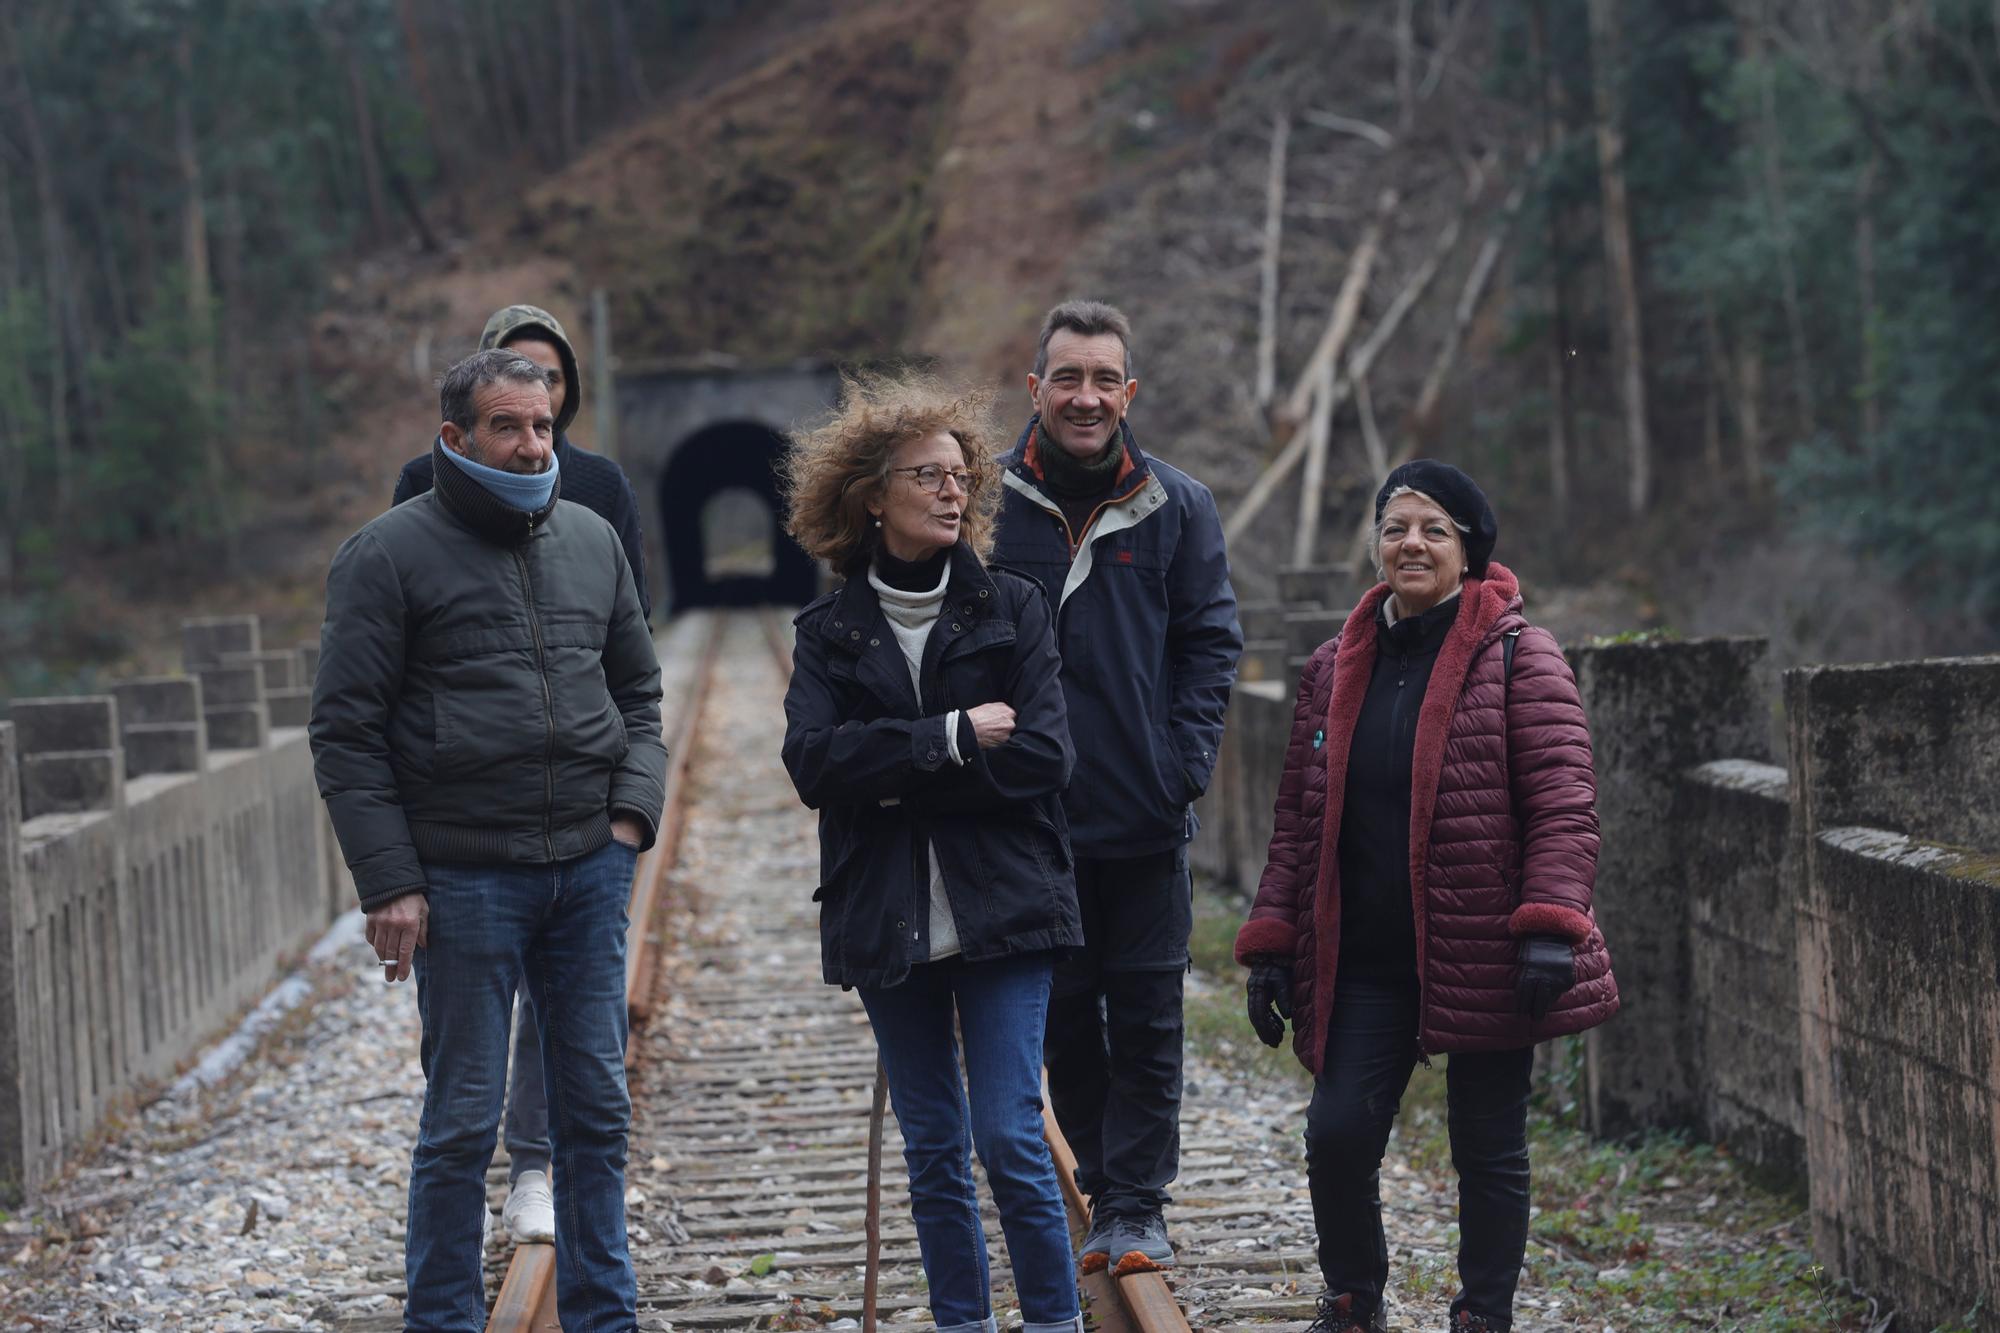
1416,903
1075,540
548,710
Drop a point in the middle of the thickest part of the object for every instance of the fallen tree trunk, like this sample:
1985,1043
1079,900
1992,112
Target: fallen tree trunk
1325,357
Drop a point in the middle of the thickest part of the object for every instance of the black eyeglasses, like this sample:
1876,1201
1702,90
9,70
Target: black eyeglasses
931,477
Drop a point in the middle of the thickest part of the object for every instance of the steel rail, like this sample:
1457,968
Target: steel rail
527,1299
1139,1302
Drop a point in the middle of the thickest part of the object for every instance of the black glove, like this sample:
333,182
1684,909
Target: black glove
1548,968
1270,988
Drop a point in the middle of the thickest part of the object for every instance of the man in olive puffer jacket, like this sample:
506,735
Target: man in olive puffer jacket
486,734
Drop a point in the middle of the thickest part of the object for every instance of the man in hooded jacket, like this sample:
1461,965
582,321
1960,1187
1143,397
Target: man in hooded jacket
598,484
591,480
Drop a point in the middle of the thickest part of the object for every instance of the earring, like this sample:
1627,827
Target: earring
878,522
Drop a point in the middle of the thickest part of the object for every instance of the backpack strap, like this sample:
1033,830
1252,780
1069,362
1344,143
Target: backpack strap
1507,655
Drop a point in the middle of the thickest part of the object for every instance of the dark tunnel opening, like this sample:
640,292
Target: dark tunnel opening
729,456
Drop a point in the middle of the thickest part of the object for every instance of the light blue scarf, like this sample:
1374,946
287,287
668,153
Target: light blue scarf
512,489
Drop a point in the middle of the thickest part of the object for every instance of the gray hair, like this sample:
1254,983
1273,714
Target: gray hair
1375,534
458,386
1089,318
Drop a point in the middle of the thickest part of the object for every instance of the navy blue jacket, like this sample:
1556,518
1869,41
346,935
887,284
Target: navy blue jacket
1146,624
591,480
872,758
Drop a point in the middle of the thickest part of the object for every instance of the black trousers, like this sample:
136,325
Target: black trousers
1371,1048
1113,1045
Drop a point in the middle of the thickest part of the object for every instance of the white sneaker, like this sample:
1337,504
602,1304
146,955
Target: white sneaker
530,1213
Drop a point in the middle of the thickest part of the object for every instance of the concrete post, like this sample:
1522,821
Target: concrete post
233,707
204,640
162,727
1306,628
1656,710
71,759
280,668
13,905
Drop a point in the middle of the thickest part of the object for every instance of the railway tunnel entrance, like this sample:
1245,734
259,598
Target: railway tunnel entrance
703,442
719,515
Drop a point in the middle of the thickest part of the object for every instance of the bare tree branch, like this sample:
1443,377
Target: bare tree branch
1361,129
1274,229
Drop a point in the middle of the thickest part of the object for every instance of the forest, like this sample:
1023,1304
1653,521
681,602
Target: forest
1750,290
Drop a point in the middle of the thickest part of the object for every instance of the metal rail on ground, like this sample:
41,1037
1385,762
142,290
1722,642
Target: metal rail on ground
527,1299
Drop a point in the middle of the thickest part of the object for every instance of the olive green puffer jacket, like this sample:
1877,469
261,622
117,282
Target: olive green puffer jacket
487,689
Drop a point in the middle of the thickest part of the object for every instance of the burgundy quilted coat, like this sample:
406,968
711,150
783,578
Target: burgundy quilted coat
1503,830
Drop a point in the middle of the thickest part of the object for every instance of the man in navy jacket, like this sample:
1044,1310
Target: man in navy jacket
1131,554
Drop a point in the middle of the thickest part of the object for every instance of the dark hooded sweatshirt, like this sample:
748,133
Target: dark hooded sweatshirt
591,480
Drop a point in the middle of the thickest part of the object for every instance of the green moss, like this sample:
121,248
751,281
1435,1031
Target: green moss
1661,634
1976,867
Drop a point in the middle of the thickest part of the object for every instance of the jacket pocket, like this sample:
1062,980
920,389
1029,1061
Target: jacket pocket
1167,764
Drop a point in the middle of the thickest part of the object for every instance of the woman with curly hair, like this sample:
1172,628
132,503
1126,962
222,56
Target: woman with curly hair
926,724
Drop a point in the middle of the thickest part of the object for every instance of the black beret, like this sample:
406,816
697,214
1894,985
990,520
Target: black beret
1458,495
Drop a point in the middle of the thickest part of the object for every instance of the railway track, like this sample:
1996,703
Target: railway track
751,1079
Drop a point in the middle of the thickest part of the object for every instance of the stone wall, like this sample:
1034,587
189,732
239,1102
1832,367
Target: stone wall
154,873
1733,817
1656,710
1899,966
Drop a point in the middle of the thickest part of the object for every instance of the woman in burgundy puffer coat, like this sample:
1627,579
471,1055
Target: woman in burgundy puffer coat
1428,889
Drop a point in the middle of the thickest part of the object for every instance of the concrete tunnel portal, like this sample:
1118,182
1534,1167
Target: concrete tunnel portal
703,443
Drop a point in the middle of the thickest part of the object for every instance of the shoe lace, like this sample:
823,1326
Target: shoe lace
1336,1315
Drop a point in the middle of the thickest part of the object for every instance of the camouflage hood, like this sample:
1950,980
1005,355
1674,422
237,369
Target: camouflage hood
514,320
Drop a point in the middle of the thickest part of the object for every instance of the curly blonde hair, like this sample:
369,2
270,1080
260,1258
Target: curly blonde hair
829,475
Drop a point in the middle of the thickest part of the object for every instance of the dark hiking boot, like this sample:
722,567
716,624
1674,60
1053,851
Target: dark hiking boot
1095,1255
1336,1315
1140,1245
1465,1321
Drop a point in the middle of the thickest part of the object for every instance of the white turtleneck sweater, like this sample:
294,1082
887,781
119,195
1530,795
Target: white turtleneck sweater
911,616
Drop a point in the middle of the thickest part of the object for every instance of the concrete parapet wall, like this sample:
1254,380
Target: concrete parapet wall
130,934
1899,955
13,977
1236,814
1656,710
1899,974
1910,746
1732,818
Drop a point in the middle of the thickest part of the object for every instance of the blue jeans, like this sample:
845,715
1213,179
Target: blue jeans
560,930
1000,1006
